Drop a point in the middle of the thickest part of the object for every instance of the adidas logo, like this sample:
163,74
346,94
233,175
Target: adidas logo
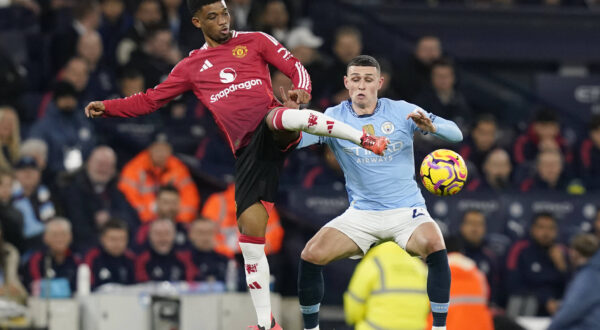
206,65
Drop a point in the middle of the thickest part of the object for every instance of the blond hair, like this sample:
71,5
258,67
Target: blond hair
14,141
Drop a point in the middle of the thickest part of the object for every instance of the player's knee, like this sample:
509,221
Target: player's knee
433,246
314,255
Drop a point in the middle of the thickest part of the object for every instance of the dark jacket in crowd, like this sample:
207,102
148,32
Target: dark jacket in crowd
531,272
106,268
151,266
457,108
209,265
590,165
488,263
11,220
41,265
81,201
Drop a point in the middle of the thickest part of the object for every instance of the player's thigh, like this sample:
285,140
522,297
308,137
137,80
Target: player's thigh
253,221
425,239
329,244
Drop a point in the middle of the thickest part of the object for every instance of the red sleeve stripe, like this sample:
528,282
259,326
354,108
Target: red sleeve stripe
586,150
309,180
278,119
515,252
34,266
140,268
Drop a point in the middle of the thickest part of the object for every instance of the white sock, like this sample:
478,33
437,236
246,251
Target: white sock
438,328
258,278
316,123
317,328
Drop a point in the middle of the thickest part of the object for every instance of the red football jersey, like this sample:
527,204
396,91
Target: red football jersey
232,80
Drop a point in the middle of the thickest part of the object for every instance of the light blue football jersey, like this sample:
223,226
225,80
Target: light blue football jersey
374,182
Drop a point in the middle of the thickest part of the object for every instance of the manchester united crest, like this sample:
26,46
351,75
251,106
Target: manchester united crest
240,51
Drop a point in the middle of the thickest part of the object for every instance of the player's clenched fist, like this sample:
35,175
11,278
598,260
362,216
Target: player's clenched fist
94,109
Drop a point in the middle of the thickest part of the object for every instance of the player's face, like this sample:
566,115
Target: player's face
114,242
362,83
214,21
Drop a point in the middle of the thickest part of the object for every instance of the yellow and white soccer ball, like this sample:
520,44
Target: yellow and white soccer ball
443,172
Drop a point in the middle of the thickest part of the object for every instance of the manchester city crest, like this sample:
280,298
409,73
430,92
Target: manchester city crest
387,127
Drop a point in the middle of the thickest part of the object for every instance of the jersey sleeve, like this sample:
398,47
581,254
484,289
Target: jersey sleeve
277,55
445,129
144,103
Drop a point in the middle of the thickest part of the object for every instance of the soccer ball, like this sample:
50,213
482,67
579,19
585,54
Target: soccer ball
443,172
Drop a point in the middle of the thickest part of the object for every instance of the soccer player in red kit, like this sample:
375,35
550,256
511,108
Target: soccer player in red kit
229,74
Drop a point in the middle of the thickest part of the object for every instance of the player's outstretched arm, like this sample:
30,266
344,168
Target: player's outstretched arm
442,128
144,103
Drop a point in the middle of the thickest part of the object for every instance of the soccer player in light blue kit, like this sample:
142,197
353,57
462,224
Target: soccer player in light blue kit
385,201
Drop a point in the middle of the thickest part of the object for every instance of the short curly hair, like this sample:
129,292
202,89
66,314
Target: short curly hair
195,5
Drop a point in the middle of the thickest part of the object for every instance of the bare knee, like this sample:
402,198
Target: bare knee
313,254
433,246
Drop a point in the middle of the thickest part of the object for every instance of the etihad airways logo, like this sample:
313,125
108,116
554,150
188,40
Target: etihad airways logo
234,87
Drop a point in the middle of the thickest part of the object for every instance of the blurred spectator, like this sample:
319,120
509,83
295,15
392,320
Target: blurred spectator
143,175
481,141
10,285
542,134
168,206
304,45
596,225
70,136
33,200
55,260
10,137
90,197
116,22
129,136
414,76
472,234
327,174
11,219
386,89
12,81
112,262
160,262
240,14
580,308
549,173
38,150
220,207
442,97
101,82
87,16
157,56
210,264
347,45
537,266
468,293
77,73
147,14
275,20
387,291
496,174
590,156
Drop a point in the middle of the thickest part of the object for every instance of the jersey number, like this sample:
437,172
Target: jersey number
415,214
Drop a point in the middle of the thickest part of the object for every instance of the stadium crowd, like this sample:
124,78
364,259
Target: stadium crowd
151,198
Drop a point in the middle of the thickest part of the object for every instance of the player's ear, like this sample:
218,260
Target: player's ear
380,83
196,22
346,82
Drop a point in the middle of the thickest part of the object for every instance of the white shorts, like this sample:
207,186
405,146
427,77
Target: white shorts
368,227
